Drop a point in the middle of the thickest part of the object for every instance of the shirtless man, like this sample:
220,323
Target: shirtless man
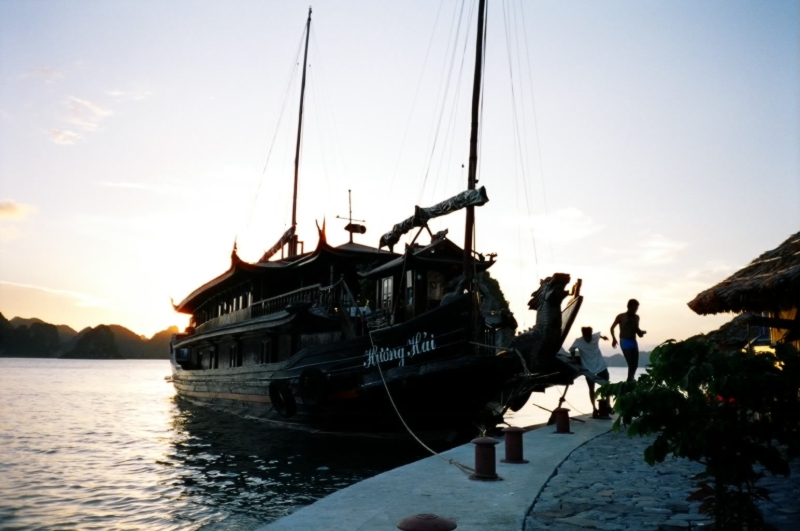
628,330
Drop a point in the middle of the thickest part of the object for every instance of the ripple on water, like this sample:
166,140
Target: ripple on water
104,445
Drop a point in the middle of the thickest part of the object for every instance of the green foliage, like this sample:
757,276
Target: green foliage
727,410
494,291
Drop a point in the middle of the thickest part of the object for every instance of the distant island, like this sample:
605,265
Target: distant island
618,360
34,338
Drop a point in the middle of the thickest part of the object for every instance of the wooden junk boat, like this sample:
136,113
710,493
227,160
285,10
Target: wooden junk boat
351,337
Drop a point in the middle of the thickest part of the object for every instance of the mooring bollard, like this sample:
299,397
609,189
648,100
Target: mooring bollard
514,446
426,522
603,408
562,420
485,469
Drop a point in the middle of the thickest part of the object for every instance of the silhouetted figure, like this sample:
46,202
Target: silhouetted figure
628,330
591,359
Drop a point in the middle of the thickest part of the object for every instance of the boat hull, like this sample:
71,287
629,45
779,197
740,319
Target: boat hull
429,367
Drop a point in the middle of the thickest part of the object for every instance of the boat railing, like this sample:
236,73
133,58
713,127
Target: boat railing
224,319
310,294
336,299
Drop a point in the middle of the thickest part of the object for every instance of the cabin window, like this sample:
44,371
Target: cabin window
387,286
409,289
436,285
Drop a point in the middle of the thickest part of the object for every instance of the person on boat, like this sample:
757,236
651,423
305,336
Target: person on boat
588,344
628,330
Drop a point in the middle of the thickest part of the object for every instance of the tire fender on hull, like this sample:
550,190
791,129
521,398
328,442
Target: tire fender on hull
313,388
283,401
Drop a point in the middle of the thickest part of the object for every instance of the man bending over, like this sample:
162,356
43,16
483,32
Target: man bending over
591,359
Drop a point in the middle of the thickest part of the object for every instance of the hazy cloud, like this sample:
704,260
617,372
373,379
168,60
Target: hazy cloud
86,114
10,209
80,298
64,137
712,271
145,187
43,73
8,234
659,249
565,225
130,94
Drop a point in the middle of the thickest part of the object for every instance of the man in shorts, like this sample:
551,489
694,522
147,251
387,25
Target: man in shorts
628,330
591,359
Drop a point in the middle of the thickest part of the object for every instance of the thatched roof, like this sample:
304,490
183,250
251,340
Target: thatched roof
771,279
736,334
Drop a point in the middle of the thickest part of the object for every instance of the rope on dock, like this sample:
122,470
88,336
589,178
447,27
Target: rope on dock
464,468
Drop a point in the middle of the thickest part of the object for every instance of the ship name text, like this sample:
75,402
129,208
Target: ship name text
420,343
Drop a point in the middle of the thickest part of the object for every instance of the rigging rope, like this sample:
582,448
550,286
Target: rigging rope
573,407
449,134
328,117
464,468
277,128
516,134
535,120
318,127
444,97
414,101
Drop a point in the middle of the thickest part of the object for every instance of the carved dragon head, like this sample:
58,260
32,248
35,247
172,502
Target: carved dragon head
552,291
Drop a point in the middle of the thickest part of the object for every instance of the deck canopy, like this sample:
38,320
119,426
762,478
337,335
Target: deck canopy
769,283
238,273
439,255
275,277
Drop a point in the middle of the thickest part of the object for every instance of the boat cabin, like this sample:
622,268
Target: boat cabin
264,312
420,279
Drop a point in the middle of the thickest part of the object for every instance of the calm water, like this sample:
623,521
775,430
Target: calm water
104,445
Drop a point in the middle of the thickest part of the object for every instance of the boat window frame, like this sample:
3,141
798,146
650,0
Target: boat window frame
387,293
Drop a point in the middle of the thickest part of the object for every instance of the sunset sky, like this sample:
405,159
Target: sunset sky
650,148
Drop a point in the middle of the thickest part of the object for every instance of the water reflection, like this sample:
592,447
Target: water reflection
98,445
264,471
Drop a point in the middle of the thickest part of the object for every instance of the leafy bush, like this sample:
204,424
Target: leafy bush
731,411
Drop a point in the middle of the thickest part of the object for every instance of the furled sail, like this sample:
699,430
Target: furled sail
423,215
286,238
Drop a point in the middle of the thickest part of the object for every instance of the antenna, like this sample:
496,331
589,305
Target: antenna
352,227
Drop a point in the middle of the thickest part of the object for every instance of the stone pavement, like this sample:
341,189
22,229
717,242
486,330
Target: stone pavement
606,484
782,510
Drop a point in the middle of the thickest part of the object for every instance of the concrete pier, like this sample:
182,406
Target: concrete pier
589,479
434,486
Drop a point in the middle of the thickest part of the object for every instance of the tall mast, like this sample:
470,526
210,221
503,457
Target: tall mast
293,244
473,142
